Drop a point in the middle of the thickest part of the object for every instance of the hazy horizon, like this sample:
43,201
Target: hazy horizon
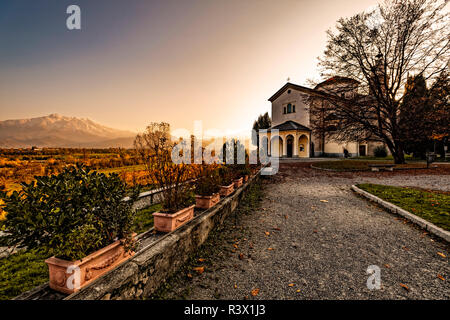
137,61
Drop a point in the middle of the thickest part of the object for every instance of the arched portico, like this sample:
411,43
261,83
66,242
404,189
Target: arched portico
289,139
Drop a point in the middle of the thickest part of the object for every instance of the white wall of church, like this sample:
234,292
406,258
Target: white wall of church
297,98
334,148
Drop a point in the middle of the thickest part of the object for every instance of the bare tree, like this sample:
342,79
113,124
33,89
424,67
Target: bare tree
154,147
379,49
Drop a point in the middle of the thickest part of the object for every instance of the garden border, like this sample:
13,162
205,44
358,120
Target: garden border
152,264
432,228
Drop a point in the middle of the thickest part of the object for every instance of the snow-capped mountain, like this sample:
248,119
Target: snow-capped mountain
60,131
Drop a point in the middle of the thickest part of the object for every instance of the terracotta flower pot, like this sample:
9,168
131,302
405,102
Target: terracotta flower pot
167,222
70,276
237,182
226,190
206,202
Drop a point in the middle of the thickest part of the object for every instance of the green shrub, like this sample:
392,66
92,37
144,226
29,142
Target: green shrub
69,215
380,152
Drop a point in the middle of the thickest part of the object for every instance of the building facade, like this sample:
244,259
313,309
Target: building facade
291,134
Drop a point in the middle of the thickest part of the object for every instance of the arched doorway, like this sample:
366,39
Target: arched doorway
289,146
303,146
276,146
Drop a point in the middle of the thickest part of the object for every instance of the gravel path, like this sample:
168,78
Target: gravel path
295,246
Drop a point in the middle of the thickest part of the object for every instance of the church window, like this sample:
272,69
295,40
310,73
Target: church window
289,91
289,108
293,108
284,110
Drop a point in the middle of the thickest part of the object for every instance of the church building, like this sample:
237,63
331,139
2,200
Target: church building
291,116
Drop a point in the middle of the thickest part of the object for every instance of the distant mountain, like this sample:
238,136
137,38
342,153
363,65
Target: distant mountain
60,131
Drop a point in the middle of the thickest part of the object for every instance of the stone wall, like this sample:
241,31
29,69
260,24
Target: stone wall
154,262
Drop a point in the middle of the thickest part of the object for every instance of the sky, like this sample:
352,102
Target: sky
139,61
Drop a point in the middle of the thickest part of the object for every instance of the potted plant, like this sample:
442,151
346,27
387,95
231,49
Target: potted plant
79,218
246,172
226,181
207,188
155,149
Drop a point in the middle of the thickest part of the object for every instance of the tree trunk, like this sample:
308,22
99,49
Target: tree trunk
398,154
396,149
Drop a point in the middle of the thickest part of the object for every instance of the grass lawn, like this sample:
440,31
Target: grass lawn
25,270
433,206
21,272
144,218
346,165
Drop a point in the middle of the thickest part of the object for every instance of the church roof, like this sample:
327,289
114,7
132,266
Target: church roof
290,125
336,79
291,86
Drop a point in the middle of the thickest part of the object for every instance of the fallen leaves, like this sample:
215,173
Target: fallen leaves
201,260
285,216
199,270
291,284
404,286
241,256
298,290
441,277
255,292
267,233
442,255
277,229
325,201
387,266
189,276
269,248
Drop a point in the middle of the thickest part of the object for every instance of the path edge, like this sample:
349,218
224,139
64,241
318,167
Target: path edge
430,227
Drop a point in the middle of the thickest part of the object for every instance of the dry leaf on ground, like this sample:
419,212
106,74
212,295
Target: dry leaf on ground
199,270
442,255
404,286
441,277
323,200
291,284
255,292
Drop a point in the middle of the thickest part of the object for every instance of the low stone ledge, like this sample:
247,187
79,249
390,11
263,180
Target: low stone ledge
430,227
143,274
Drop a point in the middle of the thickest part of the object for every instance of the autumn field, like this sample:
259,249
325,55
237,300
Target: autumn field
22,165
